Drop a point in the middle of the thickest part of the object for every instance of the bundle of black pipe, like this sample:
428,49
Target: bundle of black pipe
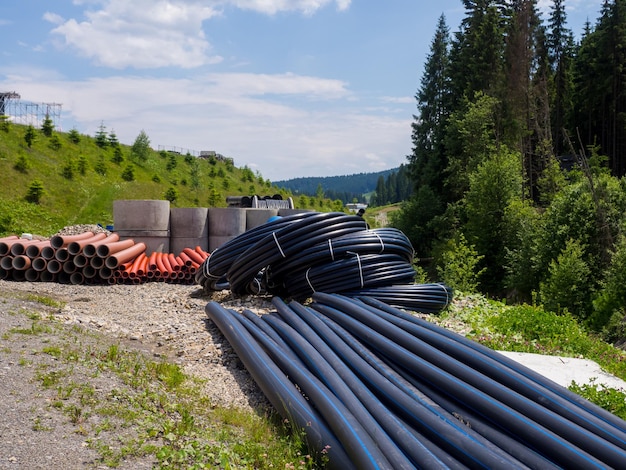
393,391
297,255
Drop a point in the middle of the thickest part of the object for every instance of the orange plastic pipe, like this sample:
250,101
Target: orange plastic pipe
201,252
127,254
61,241
90,249
77,246
109,249
160,265
194,255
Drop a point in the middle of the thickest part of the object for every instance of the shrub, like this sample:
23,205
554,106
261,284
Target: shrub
129,173
568,285
35,192
171,194
459,265
74,136
22,164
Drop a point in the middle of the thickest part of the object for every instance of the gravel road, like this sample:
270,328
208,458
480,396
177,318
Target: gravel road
160,319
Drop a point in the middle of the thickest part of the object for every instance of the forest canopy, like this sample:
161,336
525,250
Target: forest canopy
519,157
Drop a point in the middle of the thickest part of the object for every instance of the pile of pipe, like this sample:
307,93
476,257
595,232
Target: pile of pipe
297,255
94,258
374,387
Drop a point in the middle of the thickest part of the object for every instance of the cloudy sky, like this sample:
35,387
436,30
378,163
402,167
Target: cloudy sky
287,87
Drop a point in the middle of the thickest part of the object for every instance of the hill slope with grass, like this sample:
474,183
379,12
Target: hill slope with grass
51,179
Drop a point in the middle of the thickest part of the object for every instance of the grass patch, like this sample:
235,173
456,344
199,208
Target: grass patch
130,406
530,328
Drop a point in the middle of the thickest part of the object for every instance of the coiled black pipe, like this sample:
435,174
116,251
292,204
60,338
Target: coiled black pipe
374,241
289,242
426,298
213,270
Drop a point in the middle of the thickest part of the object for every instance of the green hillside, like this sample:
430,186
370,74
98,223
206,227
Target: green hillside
78,180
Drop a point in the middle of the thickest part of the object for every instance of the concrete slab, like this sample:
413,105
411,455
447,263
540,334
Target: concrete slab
563,370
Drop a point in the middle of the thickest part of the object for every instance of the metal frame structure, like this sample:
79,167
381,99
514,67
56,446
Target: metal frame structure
28,112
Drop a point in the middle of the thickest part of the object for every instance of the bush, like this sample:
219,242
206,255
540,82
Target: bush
568,285
129,173
35,192
611,299
171,194
459,265
22,164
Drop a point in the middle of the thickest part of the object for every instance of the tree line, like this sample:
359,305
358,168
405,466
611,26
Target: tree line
519,157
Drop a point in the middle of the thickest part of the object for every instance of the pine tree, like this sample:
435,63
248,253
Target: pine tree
101,138
526,98
560,44
477,50
428,159
600,78
47,127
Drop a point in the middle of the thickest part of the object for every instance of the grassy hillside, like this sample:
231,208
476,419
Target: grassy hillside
81,180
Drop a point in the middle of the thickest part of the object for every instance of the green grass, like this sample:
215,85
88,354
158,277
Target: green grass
88,198
151,408
532,329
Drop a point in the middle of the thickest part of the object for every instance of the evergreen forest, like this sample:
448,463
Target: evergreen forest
519,157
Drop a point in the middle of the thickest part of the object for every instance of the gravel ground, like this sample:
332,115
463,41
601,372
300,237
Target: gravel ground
164,320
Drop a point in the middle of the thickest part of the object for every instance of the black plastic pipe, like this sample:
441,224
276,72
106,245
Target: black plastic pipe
486,397
283,395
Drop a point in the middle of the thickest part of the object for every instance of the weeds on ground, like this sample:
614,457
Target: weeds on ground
129,406
530,328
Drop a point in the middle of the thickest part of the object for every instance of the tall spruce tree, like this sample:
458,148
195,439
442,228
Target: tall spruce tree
526,97
561,47
428,159
477,50
600,79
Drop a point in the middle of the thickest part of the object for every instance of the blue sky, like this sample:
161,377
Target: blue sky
289,88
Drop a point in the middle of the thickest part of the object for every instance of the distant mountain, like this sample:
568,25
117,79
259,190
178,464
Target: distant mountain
347,187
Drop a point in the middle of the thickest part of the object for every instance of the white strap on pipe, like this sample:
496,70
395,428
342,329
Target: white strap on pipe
278,245
306,275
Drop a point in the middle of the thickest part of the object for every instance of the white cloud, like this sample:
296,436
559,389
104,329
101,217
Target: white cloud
271,7
255,119
141,34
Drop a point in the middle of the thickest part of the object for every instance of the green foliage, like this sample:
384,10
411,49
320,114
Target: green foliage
22,164
495,183
47,127
156,178
118,155
129,173
568,285
81,165
459,265
67,171
55,142
30,136
171,194
171,162
74,136
611,298
140,149
101,167
5,123
609,398
35,192
101,137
